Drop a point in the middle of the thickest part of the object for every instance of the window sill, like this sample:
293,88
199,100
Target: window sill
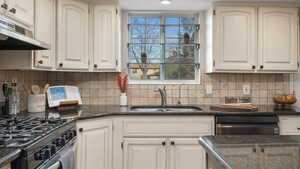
160,82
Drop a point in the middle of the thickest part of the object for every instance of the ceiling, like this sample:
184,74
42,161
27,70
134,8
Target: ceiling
180,4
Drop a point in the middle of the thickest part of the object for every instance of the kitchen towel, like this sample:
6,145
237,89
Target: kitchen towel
67,159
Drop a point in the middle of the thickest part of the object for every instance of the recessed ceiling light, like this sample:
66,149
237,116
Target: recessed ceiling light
165,2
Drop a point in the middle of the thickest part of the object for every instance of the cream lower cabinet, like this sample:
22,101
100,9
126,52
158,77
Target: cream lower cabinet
95,140
289,125
186,153
165,142
147,153
72,35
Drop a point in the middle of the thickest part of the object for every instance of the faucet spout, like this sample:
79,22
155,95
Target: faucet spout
163,95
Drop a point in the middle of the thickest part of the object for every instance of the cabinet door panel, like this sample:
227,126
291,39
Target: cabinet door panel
45,32
187,153
22,11
235,40
95,146
280,157
278,38
240,157
72,35
105,37
144,153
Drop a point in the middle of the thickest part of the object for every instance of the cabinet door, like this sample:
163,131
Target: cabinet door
240,157
278,39
279,157
186,153
45,32
95,145
72,41
144,153
105,37
235,38
2,6
22,11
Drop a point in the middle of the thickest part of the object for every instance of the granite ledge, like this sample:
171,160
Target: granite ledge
95,111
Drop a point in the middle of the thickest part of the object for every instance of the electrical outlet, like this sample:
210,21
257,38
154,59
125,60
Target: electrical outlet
247,90
209,90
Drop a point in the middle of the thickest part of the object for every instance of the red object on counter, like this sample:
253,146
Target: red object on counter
123,83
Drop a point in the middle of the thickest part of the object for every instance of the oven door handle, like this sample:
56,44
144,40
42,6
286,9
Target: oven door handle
56,165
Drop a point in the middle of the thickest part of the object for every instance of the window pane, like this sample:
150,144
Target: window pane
137,20
187,72
152,51
153,20
172,20
187,20
172,71
138,31
144,71
153,32
179,72
172,32
187,30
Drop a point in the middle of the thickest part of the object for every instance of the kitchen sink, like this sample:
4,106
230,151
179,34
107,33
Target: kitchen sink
165,109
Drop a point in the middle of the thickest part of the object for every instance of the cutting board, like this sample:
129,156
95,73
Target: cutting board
234,107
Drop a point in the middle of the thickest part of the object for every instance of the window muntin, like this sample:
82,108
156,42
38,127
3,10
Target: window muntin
169,56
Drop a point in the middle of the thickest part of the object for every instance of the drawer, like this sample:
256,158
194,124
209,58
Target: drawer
168,126
289,125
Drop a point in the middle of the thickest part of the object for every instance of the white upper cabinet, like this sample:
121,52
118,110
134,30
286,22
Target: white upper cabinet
45,32
105,46
21,11
72,35
278,39
252,39
3,6
235,38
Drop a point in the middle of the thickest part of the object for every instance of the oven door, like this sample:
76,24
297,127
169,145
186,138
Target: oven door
247,129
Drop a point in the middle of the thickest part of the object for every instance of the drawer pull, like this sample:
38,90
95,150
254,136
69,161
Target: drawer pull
40,62
172,143
4,6
13,10
262,150
163,143
80,129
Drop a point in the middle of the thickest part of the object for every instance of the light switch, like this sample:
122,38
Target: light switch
247,90
209,90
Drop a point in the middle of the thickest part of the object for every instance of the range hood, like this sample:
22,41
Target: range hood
14,37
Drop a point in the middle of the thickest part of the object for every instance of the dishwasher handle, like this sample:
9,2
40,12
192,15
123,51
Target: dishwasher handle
56,165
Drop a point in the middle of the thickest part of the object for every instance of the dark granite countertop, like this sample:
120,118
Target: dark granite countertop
7,155
215,145
94,111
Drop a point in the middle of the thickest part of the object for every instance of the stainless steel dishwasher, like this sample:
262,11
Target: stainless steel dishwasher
247,125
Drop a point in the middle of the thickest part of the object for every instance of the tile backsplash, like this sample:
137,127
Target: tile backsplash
102,88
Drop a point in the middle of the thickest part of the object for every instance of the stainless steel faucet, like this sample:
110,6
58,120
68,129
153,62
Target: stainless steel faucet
163,95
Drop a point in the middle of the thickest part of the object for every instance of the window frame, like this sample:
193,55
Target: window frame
162,16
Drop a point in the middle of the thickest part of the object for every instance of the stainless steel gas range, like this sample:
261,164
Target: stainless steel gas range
41,140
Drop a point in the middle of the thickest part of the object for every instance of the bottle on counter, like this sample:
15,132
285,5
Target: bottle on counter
14,99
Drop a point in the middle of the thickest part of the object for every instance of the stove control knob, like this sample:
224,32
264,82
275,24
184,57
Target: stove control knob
44,154
61,142
52,149
38,156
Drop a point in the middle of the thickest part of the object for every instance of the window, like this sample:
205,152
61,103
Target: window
163,48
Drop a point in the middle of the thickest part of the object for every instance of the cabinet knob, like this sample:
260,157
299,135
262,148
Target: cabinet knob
61,65
80,129
262,150
4,6
163,143
95,66
253,67
40,62
172,143
13,10
261,66
254,150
